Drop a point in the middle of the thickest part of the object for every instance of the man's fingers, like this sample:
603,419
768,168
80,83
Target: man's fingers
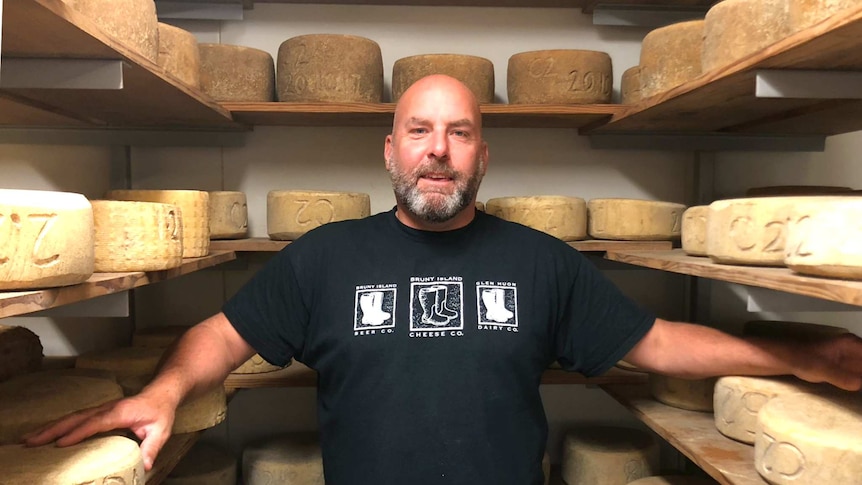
58,428
99,422
151,445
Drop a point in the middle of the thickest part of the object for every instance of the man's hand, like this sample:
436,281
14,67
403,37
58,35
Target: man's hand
836,360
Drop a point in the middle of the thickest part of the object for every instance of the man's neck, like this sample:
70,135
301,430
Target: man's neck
413,221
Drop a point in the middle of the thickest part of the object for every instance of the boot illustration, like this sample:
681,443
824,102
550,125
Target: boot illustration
442,294
428,301
371,304
495,305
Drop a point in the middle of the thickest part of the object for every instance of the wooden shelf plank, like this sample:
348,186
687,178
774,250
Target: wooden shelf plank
174,450
22,302
723,100
781,279
694,434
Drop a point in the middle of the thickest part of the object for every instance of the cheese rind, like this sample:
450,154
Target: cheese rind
132,22
562,217
805,13
734,29
631,86
204,464
107,460
179,54
634,220
560,76
233,73
197,413
228,215
694,230
123,361
136,236
824,239
20,351
603,455
671,56
293,458
477,73
691,394
292,213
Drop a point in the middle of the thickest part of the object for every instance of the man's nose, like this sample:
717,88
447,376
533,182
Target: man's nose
439,147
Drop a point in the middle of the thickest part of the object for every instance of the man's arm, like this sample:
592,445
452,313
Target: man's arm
201,359
694,351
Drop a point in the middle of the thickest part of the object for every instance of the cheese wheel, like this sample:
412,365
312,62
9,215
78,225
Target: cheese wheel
204,464
330,68
673,480
131,22
805,13
562,76
806,439
228,215
562,217
233,73
255,365
670,56
785,190
477,73
292,458
824,238
691,394
546,468
123,361
136,236
480,206
194,208
292,213
31,401
734,29
738,399
106,460
634,220
631,86
194,414
179,54
158,337
604,455
694,230
46,239
20,352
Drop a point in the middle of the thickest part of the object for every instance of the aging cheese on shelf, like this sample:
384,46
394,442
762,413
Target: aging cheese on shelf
561,76
122,361
671,56
790,330
132,22
673,480
255,365
806,439
477,73
634,220
694,230
136,236
562,217
204,464
46,239
604,455
194,414
106,460
824,239
228,215
31,401
233,73
631,86
292,213
20,351
805,13
179,54
734,29
158,337
194,208
330,68
738,399
480,206
292,458
691,394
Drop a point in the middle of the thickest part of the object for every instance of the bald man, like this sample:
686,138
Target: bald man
430,326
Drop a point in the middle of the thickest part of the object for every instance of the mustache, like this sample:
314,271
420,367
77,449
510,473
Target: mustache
433,166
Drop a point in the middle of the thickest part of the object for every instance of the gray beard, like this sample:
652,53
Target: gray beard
434,207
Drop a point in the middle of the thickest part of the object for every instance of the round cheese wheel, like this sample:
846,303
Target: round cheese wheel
233,73
477,73
631,86
790,330
738,399
604,455
179,54
204,464
784,190
194,209
136,236
292,213
330,68
670,56
805,13
31,401
228,215
104,460
691,394
823,239
292,458
806,439
480,206
46,239
560,216
158,337
562,76
634,220
194,414
694,230
131,22
123,361
734,29
255,365
673,480
20,351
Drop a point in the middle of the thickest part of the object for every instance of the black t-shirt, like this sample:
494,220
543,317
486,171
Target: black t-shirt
430,345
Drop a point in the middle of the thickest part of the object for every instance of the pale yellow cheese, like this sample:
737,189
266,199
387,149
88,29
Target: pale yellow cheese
806,439
106,460
159,337
292,213
560,216
604,455
673,480
194,414
20,351
477,73
136,236
330,68
805,13
691,394
790,330
480,206
561,76
46,239
233,73
694,230
194,209
179,54
824,239
204,464
633,219
734,29
228,215
255,365
123,361
131,22
670,56
292,458
631,86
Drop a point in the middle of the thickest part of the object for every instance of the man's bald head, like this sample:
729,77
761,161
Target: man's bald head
438,89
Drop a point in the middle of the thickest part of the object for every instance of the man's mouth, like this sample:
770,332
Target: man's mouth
437,177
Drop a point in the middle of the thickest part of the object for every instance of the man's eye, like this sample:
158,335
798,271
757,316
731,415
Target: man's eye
460,133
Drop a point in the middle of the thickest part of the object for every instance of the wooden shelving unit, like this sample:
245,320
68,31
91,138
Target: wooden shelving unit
21,302
174,450
694,434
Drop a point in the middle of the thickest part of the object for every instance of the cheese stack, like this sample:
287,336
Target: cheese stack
291,458
233,73
194,414
194,208
204,464
562,217
734,29
805,13
123,361
132,22
691,394
631,86
20,352
292,213
634,220
105,460
603,455
179,54
670,56
477,73
824,241
694,230
137,236
228,215
561,76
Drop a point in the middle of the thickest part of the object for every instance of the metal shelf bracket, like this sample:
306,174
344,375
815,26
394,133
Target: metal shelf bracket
26,73
801,84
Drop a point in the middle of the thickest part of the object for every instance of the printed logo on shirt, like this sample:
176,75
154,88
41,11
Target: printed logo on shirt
436,307
374,309
497,305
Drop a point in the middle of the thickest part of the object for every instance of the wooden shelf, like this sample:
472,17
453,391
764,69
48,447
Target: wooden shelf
174,450
694,434
781,279
100,284
724,101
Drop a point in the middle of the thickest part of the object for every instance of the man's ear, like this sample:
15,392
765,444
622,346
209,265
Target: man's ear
387,150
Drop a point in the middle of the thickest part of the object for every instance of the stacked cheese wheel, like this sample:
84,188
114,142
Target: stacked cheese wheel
823,238
633,219
691,394
560,216
179,54
292,213
603,455
291,458
228,215
196,413
477,73
561,76
694,230
236,73
20,352
670,56
132,22
137,236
